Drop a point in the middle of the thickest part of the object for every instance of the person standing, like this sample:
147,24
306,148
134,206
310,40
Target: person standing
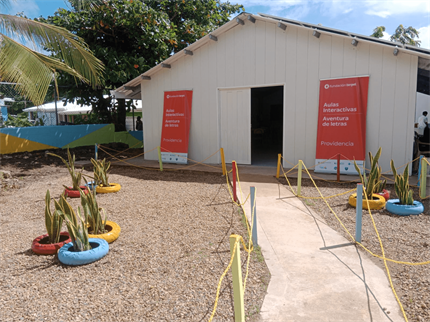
422,123
139,124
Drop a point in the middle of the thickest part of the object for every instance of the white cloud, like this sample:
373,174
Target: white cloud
385,8
386,35
382,14
424,37
29,7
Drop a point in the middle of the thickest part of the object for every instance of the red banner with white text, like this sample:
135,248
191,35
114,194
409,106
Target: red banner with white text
176,126
342,124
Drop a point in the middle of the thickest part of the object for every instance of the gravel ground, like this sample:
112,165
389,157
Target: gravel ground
165,266
404,239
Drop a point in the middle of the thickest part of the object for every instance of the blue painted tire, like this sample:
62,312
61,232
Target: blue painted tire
67,256
394,207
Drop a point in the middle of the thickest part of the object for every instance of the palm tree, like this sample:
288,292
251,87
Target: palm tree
33,71
406,36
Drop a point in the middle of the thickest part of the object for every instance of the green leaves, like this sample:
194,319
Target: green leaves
53,221
76,224
373,184
401,185
101,168
95,217
70,164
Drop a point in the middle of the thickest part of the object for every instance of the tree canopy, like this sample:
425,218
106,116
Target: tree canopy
132,36
406,36
30,69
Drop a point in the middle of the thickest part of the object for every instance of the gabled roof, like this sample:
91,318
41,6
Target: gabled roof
132,88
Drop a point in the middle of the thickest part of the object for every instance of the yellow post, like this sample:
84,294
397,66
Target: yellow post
279,165
236,270
299,178
423,179
224,169
159,158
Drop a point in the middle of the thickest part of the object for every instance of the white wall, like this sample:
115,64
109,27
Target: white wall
261,53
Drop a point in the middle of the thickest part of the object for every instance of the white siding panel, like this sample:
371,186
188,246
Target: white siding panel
196,130
411,92
249,51
239,65
221,60
209,103
362,59
386,121
204,138
401,110
374,100
349,58
281,38
270,53
230,53
336,57
301,92
312,86
290,98
325,56
260,41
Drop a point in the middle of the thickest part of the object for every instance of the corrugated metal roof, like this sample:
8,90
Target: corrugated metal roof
132,88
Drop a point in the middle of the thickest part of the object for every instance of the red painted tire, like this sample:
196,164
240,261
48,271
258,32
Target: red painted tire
41,247
385,194
69,192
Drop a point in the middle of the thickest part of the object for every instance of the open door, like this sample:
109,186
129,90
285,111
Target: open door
235,124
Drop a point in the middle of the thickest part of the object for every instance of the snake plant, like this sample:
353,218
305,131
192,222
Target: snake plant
76,225
373,183
101,168
70,164
53,221
95,217
401,185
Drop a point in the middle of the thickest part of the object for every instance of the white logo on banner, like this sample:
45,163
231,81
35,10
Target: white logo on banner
326,86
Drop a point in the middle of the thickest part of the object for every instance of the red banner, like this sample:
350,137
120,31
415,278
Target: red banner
176,126
342,120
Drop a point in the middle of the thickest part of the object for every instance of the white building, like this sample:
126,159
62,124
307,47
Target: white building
255,83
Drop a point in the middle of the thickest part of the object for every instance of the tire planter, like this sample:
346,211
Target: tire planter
69,192
112,234
114,187
378,202
40,245
68,256
385,194
396,208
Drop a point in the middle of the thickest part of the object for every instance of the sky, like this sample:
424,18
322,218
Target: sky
359,16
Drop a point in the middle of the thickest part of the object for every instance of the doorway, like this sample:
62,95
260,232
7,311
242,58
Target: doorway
267,124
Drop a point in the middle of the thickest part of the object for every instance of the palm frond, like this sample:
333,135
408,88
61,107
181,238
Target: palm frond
74,55
30,70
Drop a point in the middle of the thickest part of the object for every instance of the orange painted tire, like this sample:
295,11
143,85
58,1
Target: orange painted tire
378,202
69,192
41,247
113,232
114,187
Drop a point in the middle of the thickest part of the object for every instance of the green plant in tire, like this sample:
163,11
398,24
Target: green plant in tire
101,168
373,183
70,164
95,217
76,225
401,185
53,221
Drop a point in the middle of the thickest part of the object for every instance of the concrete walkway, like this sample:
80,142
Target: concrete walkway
308,283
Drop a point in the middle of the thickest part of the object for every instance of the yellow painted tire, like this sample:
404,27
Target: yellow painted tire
113,232
114,187
379,203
